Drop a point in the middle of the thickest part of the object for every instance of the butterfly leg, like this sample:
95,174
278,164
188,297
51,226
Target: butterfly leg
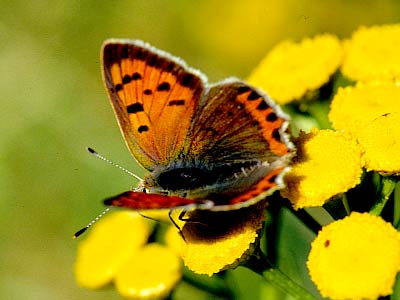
150,218
176,225
182,216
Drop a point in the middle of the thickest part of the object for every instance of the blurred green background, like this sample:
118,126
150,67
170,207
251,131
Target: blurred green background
53,105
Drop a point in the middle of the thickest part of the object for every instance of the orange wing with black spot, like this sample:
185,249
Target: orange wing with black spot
154,96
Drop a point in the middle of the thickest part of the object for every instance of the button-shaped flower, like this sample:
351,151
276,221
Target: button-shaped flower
328,163
292,69
372,54
357,257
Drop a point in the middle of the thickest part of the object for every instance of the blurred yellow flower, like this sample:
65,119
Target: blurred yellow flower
357,257
116,250
328,163
221,240
291,69
151,273
373,53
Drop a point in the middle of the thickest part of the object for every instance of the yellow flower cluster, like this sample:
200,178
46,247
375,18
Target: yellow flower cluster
357,257
292,69
328,163
116,251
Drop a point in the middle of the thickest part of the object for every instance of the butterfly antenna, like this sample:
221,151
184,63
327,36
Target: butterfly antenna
92,151
81,231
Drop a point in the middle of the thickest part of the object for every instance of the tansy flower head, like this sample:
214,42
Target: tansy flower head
353,108
370,113
216,241
380,141
291,69
328,163
116,251
373,53
355,258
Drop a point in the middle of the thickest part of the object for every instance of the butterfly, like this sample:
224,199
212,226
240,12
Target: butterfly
215,147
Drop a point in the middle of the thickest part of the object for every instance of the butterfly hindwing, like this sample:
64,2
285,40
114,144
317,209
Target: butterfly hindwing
238,123
142,201
154,97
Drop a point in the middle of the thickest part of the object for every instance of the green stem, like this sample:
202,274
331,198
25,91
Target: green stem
258,263
388,185
346,204
215,287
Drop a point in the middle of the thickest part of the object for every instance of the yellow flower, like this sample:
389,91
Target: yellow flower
291,69
370,113
353,108
116,250
373,53
380,141
328,163
357,257
152,272
221,240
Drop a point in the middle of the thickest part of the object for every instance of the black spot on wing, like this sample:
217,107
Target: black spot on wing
272,179
147,92
176,102
253,96
263,105
243,89
134,108
276,135
126,79
118,87
188,80
272,117
136,76
165,86
142,128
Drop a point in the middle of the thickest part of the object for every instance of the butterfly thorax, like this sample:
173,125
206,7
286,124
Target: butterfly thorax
206,181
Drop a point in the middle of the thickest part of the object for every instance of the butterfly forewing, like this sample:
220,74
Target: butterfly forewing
154,97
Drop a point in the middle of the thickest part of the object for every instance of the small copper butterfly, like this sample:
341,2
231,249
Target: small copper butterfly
214,147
